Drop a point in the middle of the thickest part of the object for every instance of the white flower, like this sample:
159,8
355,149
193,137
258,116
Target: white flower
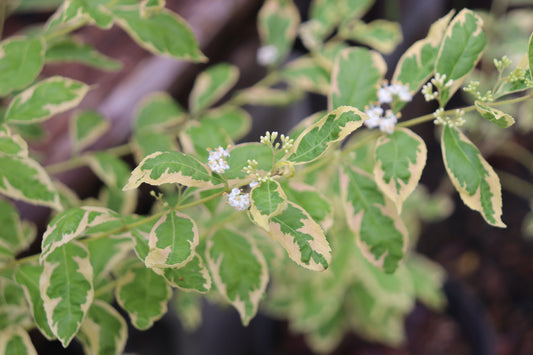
401,91
267,55
387,124
374,113
216,160
253,184
384,95
238,200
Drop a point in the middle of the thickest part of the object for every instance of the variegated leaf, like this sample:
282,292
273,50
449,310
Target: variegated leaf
66,286
143,294
267,200
13,308
148,142
169,168
379,230
197,136
474,179
381,35
27,276
417,64
496,116
22,178
316,139
172,241
277,23
235,121
462,47
12,234
104,331
263,96
400,158
150,7
12,144
311,200
188,307
71,224
356,74
193,276
45,99
428,279
239,270
163,33
302,237
158,111
95,12
21,60
239,156
70,49
106,253
86,127
211,85
306,74
16,341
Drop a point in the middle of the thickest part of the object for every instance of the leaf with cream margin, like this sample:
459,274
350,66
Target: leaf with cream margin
172,241
70,49
169,168
277,23
379,231
73,223
12,144
150,7
163,33
400,158
211,85
266,201
317,138
66,286
158,111
13,308
22,178
14,233
16,341
417,64
461,48
104,331
356,74
382,35
147,142
21,60
235,121
193,276
94,12
44,99
302,237
306,74
239,270
86,128
239,156
496,116
474,179
27,276
143,294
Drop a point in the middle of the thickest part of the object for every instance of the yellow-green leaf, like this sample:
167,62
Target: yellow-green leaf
496,116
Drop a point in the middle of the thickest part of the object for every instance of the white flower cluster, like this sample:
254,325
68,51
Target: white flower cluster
385,123
238,200
387,92
269,138
455,120
217,161
267,55
440,83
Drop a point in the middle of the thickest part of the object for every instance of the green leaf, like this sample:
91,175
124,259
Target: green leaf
13,308
239,156
239,270
27,276
93,11
148,142
428,279
305,74
356,74
104,331
21,60
12,144
113,171
277,23
530,53
235,121
417,64
379,230
267,200
158,111
172,241
302,237
150,7
188,307
106,253
45,99
193,276
211,85
311,200
144,295
196,137
22,178
169,168
316,139
400,158
73,50
164,33
263,96
16,341
12,235
496,116
381,35
461,49
66,286
86,128
474,179
71,224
